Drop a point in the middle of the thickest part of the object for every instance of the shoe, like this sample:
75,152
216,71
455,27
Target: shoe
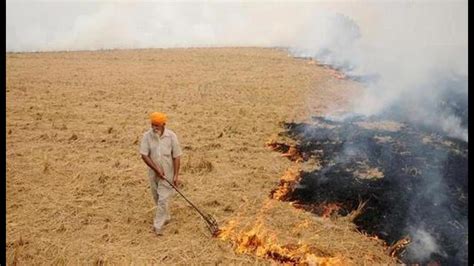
157,232
167,221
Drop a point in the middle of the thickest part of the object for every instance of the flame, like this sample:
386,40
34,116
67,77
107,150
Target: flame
329,209
292,153
281,241
335,73
325,210
287,182
398,246
264,243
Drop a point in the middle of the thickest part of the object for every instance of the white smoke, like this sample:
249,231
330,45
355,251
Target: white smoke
404,44
411,48
423,245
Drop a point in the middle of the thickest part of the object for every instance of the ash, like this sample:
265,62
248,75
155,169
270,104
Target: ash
417,186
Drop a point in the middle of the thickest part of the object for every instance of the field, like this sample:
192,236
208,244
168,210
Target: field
77,190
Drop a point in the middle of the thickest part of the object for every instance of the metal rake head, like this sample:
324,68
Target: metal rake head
212,224
210,221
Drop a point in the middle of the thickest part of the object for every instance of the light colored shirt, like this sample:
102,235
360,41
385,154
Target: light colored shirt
161,149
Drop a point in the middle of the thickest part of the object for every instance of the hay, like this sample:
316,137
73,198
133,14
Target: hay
77,191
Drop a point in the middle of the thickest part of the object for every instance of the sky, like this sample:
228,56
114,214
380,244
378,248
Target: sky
34,25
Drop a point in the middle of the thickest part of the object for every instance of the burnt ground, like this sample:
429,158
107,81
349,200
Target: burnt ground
423,192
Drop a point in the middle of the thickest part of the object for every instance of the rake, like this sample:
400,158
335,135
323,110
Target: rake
210,221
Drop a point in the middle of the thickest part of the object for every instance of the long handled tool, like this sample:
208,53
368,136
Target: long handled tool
210,221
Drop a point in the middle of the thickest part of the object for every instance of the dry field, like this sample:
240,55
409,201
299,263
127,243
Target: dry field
77,190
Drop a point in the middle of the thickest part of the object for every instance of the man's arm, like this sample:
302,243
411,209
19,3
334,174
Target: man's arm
153,166
176,164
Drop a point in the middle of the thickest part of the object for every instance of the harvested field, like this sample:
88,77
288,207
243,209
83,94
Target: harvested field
77,190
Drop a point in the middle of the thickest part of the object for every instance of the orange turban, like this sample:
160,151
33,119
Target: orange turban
158,118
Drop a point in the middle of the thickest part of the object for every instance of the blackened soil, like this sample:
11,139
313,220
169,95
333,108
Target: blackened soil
423,190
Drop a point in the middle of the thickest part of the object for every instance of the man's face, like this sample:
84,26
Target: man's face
158,128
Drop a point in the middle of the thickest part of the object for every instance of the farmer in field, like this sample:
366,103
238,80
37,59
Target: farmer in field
161,151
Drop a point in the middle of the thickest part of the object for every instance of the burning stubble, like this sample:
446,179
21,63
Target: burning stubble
410,55
419,188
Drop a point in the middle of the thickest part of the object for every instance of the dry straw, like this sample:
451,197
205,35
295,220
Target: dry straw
77,191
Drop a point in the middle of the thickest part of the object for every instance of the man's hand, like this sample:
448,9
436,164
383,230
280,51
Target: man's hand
160,173
176,181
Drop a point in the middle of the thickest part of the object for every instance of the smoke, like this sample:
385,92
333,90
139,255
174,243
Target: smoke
423,245
433,198
422,192
35,25
412,57
409,54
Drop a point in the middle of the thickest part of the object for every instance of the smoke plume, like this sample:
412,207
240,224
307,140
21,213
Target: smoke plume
409,53
423,244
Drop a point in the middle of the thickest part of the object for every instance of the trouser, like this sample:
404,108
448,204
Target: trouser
162,195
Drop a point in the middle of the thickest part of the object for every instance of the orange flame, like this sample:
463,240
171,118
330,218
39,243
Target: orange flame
287,182
258,238
292,153
329,209
264,243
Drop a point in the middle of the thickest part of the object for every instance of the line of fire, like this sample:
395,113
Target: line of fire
396,182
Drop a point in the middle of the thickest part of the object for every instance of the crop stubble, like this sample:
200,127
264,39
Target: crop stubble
77,190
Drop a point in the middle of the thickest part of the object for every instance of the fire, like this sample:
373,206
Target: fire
335,73
263,242
325,210
292,174
329,209
289,151
399,246
284,240
293,154
287,182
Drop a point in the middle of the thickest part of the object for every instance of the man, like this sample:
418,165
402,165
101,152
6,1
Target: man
160,150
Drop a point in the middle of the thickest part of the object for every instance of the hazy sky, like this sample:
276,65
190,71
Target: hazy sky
34,25
415,47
